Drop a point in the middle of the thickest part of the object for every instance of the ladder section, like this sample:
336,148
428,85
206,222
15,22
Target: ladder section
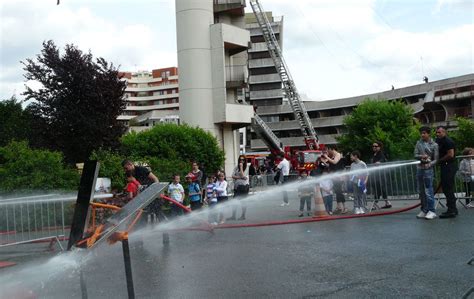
266,134
289,88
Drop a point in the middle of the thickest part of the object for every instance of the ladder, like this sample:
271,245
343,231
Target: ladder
289,88
266,134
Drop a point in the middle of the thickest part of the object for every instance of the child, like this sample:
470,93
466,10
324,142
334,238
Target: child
326,191
305,193
359,181
133,186
221,193
194,192
211,198
176,192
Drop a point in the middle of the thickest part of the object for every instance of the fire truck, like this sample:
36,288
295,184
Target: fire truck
301,160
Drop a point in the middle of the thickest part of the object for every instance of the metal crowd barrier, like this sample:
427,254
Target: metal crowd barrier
398,183
37,218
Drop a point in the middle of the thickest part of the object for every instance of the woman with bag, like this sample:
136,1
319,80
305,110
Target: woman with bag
241,186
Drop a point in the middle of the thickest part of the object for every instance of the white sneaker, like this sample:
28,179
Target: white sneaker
285,204
430,216
357,211
361,211
421,215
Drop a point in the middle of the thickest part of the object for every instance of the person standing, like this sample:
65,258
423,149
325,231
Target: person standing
176,192
221,193
326,185
426,150
359,183
141,173
211,199
466,173
336,164
305,193
198,173
284,167
448,170
145,177
377,179
194,192
241,186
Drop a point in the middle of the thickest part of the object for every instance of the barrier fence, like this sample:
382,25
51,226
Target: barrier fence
397,183
36,218
47,217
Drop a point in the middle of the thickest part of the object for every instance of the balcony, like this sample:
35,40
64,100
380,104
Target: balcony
257,31
236,75
453,96
317,123
266,94
152,98
235,7
152,88
264,62
152,107
258,144
125,117
268,78
258,47
139,80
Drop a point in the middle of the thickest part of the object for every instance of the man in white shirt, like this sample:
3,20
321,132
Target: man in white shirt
284,167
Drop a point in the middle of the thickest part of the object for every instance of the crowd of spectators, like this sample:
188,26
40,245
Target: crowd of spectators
212,190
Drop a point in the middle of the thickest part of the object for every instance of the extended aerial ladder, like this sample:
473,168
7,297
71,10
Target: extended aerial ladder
289,88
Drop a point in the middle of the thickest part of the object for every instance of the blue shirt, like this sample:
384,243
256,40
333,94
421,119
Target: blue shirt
193,188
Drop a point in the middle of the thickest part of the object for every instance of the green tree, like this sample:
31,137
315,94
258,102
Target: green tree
14,121
75,110
169,148
23,168
464,135
390,122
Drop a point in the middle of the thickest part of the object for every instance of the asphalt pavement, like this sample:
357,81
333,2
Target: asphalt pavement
386,257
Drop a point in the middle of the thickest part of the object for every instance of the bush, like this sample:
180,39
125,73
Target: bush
22,168
175,146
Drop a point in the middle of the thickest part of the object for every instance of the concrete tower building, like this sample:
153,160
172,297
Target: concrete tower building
211,44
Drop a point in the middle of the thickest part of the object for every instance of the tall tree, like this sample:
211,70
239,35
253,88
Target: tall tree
390,122
75,110
14,121
464,135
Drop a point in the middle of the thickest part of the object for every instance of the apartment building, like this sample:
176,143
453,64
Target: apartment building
150,91
264,82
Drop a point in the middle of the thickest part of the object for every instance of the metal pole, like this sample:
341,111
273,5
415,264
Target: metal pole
128,269
83,284
166,239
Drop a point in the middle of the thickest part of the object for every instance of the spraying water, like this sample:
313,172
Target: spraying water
35,276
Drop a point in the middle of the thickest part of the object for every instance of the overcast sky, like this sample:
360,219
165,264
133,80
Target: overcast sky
334,48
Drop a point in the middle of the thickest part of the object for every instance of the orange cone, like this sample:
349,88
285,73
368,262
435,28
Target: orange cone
319,209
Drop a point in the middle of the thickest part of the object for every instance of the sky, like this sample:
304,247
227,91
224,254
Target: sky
333,48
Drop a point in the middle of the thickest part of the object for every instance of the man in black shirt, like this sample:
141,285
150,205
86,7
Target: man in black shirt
142,174
377,179
146,178
448,170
